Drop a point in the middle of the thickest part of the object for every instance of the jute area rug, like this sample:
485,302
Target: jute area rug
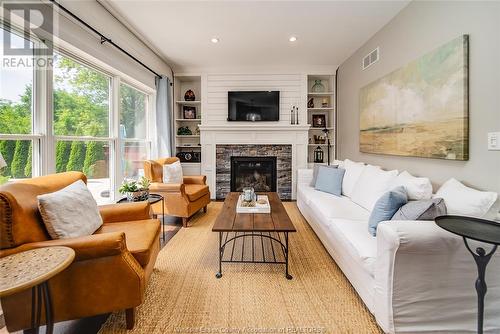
183,295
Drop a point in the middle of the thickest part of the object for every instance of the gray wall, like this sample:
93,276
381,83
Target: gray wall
417,29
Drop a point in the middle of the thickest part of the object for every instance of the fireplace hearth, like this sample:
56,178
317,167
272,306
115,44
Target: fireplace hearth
280,154
256,172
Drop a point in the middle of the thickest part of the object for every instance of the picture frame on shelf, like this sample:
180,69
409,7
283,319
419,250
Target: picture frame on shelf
189,112
319,121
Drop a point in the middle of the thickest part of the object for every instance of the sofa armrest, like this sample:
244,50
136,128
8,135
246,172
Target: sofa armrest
421,268
195,179
87,247
157,187
114,213
304,176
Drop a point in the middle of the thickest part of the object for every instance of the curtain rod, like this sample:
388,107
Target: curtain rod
104,39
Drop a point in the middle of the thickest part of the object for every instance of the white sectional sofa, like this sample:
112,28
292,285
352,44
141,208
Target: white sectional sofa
413,276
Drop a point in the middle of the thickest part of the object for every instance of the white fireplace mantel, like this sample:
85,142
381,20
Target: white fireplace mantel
255,127
252,134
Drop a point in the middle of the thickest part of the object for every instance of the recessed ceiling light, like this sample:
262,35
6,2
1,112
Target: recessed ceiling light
215,40
292,39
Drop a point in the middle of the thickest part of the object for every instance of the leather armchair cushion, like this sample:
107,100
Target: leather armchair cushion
140,235
195,179
195,191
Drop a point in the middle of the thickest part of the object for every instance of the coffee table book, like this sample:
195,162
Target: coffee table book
258,208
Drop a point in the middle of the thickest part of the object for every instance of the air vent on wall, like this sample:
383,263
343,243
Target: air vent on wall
370,59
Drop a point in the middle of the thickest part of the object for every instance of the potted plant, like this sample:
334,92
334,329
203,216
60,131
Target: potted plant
135,190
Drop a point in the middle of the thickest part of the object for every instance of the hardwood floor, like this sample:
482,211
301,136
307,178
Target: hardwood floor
92,325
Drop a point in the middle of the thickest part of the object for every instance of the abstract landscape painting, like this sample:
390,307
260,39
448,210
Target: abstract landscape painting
421,109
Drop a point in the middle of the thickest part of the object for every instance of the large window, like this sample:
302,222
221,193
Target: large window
81,97
134,145
95,123
16,109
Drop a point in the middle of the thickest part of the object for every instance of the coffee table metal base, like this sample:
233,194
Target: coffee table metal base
225,241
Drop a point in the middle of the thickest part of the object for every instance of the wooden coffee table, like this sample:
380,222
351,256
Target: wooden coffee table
258,229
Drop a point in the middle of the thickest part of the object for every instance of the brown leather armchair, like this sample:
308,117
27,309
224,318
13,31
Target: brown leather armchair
111,267
181,200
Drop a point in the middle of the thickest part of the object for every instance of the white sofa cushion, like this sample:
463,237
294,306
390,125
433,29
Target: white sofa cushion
329,206
359,244
372,183
417,188
352,172
465,201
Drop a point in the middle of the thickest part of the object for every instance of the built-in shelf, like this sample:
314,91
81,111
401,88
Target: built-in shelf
320,94
187,143
188,120
328,98
188,102
320,109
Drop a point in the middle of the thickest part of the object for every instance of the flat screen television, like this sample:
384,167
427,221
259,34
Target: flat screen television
256,106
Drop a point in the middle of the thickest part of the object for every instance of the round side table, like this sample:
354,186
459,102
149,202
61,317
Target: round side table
482,230
32,269
152,199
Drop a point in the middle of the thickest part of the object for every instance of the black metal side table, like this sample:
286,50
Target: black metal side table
480,230
152,199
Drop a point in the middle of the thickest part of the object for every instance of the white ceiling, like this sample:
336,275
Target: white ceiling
254,33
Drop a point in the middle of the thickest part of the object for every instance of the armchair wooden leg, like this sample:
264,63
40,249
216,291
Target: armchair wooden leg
185,221
130,317
205,209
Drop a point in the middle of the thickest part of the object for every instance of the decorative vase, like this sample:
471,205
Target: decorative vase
137,196
318,87
249,194
189,95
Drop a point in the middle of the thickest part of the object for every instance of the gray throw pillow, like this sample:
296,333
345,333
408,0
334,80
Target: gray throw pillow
315,172
426,209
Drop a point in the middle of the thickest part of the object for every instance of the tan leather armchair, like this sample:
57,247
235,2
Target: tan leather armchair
181,200
111,267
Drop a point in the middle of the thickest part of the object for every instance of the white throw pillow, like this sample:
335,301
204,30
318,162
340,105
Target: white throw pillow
417,188
464,201
339,163
372,183
172,173
352,172
70,212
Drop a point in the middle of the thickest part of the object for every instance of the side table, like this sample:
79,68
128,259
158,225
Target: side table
482,230
32,269
152,199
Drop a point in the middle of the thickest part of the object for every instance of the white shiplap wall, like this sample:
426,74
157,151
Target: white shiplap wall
216,129
292,88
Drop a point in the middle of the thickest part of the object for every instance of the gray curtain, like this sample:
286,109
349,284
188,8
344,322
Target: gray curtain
164,118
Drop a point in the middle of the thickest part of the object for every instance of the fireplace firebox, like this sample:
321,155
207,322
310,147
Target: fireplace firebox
256,172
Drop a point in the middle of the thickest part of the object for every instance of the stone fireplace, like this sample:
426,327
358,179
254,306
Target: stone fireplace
256,172
260,166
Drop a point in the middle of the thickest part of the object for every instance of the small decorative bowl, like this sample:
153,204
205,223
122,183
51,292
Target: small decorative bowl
137,196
